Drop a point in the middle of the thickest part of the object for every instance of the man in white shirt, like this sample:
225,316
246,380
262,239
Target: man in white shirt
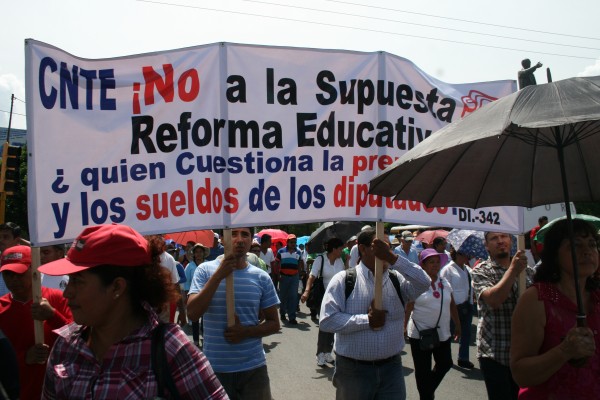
367,343
266,254
457,273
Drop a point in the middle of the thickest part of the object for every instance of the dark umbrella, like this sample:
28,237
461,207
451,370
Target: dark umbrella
536,146
343,230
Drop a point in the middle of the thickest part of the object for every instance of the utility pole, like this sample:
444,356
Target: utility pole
5,162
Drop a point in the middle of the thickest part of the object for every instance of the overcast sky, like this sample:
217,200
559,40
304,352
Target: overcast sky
456,41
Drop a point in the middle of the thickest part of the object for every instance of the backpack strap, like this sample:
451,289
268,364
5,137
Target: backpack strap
396,282
160,365
351,281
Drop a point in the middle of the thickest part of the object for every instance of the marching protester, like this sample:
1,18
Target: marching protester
456,272
325,266
17,315
199,252
496,291
291,266
266,254
367,343
9,370
52,253
236,353
10,235
405,249
428,326
111,351
550,357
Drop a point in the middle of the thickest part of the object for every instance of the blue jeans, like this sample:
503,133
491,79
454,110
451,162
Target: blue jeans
356,381
465,314
288,294
498,380
246,385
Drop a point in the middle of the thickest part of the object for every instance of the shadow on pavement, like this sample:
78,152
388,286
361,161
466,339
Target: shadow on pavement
270,346
474,374
326,371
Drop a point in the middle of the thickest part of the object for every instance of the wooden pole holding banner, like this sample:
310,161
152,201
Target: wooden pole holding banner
229,292
522,283
378,299
36,288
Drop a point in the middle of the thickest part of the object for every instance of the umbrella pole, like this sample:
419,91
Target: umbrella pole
522,283
563,173
378,300
229,293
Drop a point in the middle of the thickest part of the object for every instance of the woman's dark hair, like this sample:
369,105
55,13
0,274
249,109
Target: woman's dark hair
149,283
333,244
549,269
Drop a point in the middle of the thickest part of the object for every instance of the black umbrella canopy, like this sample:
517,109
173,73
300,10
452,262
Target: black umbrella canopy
343,230
507,153
537,146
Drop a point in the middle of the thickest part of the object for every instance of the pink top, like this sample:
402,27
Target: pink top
568,382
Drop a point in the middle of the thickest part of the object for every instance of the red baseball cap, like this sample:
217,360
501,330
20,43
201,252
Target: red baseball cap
102,245
16,259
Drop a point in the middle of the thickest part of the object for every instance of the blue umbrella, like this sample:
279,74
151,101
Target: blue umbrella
302,240
468,242
472,243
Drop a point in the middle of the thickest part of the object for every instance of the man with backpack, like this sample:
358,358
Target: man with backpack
367,340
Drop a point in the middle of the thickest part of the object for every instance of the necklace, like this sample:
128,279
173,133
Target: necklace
436,294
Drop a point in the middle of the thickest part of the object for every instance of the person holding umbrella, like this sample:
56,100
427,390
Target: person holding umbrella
551,358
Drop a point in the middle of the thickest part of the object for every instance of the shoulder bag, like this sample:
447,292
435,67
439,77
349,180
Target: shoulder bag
317,290
429,338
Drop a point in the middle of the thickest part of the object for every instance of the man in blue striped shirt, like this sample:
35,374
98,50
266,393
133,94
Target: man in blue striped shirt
368,341
236,353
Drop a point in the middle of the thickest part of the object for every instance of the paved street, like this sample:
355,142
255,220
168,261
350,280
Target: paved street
295,375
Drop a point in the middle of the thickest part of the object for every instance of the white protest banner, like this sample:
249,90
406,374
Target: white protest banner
227,135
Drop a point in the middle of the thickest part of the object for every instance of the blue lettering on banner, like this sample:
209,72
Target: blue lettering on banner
69,88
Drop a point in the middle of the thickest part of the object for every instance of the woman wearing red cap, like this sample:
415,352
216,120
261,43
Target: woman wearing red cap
115,285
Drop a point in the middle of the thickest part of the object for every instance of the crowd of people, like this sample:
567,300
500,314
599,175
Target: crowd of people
113,310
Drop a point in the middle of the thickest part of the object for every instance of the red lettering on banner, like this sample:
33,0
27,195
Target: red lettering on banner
188,86
206,199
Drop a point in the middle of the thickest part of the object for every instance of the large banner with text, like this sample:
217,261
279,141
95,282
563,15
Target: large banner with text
227,135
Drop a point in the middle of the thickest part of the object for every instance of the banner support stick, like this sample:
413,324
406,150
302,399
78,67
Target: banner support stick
378,299
229,291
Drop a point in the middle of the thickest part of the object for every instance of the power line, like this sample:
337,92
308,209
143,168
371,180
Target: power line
14,113
364,29
418,24
462,20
